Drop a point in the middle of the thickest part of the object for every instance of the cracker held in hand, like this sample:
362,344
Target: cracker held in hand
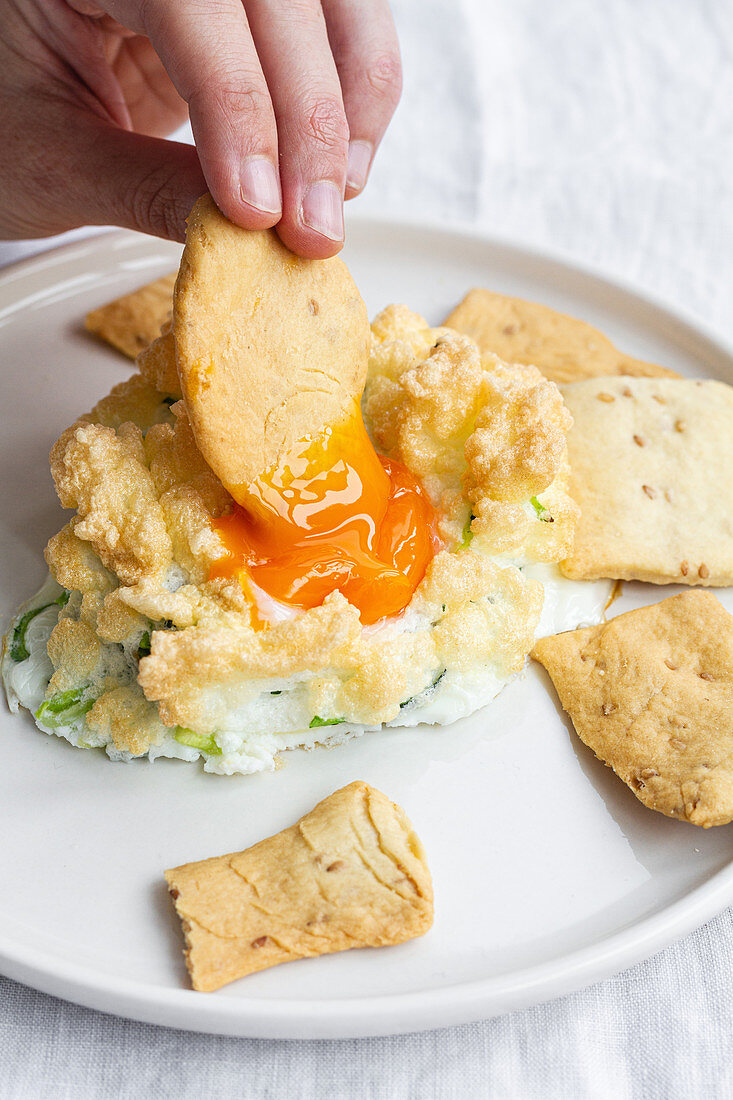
271,348
652,470
351,873
132,322
562,347
651,693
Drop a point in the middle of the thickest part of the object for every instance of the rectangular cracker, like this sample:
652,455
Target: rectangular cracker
351,873
652,470
651,693
562,347
132,322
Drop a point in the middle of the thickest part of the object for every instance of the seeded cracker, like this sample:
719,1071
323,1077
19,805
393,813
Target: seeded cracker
270,348
651,693
562,347
351,873
652,470
132,322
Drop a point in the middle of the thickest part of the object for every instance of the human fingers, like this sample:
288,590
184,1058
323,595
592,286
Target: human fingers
139,182
313,134
99,175
366,51
208,51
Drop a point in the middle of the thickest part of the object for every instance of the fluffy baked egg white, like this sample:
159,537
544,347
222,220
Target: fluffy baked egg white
169,626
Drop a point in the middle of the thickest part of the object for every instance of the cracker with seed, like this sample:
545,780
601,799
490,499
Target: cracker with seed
271,349
563,348
132,322
652,470
651,693
351,873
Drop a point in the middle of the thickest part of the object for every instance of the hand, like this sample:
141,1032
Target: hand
288,100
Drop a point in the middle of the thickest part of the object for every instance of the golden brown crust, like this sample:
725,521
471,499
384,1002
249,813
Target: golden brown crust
122,715
73,650
652,472
157,364
131,322
351,873
270,348
651,693
484,436
102,474
77,568
133,400
563,348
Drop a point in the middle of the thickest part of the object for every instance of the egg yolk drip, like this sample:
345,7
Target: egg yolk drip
332,515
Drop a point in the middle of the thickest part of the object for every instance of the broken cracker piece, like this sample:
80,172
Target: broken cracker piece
563,348
651,693
132,322
271,349
351,873
652,469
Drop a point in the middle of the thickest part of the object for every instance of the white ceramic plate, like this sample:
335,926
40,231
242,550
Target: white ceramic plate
548,873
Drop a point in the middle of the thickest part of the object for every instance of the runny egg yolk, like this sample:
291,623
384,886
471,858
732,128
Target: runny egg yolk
332,515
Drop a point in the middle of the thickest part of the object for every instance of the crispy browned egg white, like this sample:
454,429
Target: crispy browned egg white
136,650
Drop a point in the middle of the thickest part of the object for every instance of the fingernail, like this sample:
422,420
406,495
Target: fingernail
259,185
323,210
360,157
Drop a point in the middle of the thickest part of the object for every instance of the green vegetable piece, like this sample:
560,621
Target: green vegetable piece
466,533
276,693
316,721
18,649
144,648
197,741
65,707
432,687
542,513
169,401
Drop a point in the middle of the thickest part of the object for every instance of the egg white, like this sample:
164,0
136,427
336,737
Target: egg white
255,734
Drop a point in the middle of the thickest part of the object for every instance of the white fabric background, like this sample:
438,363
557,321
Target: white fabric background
605,129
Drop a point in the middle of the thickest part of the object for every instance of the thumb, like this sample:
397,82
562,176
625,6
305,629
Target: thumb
136,182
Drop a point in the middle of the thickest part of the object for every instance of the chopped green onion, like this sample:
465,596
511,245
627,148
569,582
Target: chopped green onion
65,707
542,513
276,693
316,721
466,533
197,741
144,646
18,649
432,687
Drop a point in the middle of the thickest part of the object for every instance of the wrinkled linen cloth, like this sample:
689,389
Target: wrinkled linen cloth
605,130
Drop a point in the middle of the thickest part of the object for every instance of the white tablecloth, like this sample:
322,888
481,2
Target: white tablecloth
605,130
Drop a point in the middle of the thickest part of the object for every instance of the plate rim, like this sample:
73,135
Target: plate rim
341,1018
681,316
448,1005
